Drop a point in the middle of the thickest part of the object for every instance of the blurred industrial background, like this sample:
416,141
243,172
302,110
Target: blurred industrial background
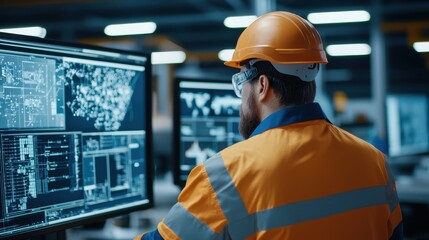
352,89
197,28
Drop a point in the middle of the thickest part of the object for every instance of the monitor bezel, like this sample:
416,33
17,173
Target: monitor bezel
148,139
176,120
395,156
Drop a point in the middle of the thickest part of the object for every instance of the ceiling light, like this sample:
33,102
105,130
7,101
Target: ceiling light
339,17
169,57
239,22
130,29
349,49
226,54
28,31
421,46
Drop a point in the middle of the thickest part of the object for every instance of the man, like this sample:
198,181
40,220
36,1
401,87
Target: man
296,176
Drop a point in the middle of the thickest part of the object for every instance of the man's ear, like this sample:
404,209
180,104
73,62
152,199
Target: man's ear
263,89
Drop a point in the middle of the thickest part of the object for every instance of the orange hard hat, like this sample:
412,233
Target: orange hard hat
279,37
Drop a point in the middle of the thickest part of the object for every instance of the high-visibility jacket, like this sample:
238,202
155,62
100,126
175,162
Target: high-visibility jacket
297,177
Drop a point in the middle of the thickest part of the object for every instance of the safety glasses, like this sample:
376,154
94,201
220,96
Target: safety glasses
239,79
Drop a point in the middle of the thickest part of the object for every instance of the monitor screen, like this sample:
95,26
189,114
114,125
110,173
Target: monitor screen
75,134
206,119
407,124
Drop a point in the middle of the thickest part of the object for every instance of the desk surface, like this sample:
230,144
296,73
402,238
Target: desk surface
412,190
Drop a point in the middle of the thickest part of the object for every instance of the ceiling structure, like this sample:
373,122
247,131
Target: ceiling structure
196,26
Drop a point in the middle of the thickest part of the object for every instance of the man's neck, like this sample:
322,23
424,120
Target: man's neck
269,108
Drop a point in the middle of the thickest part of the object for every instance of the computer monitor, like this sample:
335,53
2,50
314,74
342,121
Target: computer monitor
407,124
206,119
75,134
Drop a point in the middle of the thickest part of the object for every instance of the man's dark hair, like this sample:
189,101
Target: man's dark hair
290,89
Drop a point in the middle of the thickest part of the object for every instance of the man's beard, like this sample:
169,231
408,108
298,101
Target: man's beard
249,121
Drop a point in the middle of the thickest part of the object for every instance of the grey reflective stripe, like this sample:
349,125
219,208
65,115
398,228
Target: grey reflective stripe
242,225
316,208
229,199
308,210
392,196
187,226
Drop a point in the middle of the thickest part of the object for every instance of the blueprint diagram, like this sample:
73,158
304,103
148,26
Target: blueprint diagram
99,93
31,95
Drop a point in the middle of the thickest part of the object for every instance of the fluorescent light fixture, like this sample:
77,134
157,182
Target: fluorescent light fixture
28,31
130,29
226,54
356,49
421,46
169,57
239,21
339,17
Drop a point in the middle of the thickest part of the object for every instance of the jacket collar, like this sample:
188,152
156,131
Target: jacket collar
290,115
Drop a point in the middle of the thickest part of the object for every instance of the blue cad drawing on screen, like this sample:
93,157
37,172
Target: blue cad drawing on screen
75,134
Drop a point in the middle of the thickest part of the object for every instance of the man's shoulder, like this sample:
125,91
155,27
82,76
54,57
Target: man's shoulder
358,142
242,146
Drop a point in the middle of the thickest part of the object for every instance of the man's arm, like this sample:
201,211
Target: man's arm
197,215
